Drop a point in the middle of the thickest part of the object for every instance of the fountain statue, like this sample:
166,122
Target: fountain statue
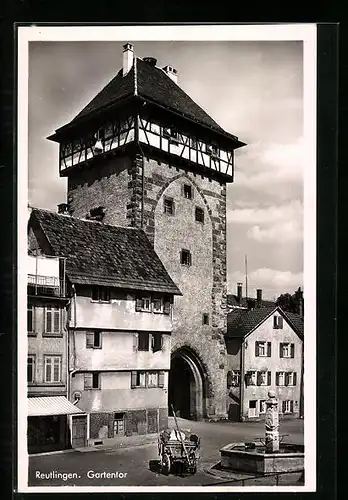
272,424
264,455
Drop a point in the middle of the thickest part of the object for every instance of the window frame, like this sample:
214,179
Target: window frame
262,407
52,357
91,376
185,251
279,375
143,335
55,312
187,188
291,350
93,346
101,291
287,402
161,301
33,368
167,199
205,319
157,337
31,308
152,373
252,377
278,322
201,211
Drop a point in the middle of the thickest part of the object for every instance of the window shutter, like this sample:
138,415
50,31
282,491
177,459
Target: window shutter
152,341
275,324
291,406
295,378
292,350
269,349
88,380
258,378
277,378
161,341
48,320
133,380
280,321
135,341
286,378
283,406
56,325
161,379
281,350
166,307
256,348
268,378
138,304
89,339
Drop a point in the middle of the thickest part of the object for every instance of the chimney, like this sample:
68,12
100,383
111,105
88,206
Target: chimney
239,292
128,56
251,304
63,208
299,295
171,72
258,297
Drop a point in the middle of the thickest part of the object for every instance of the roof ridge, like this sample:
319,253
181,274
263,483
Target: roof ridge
72,217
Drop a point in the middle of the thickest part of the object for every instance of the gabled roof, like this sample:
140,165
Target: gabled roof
241,322
153,84
101,254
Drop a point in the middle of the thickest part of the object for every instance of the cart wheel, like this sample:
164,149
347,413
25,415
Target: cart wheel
166,464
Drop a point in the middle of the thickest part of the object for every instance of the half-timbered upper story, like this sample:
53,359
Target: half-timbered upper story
142,107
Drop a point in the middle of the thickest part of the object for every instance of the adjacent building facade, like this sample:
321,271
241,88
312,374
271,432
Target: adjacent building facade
118,325
265,351
49,409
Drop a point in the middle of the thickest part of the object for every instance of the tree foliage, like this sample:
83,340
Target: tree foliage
290,303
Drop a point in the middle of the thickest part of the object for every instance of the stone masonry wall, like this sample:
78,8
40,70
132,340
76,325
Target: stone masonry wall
203,284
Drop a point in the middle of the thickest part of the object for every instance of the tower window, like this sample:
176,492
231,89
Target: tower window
199,215
168,206
187,191
185,258
205,319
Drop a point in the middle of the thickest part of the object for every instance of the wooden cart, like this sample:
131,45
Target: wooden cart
177,448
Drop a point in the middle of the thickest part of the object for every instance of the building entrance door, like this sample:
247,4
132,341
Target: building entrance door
79,431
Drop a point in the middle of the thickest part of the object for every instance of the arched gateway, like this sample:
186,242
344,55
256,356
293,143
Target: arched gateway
188,389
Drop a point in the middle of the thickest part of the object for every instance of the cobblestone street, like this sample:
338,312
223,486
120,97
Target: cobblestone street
132,463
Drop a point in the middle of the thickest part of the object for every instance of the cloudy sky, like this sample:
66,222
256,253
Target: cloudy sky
252,89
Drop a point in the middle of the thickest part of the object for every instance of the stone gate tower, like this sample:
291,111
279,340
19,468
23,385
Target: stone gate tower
144,150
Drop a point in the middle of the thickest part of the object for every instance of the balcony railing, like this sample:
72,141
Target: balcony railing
46,285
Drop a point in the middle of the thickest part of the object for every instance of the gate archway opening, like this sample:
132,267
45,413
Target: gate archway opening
187,385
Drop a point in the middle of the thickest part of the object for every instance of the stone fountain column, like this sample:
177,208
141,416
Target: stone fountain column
272,424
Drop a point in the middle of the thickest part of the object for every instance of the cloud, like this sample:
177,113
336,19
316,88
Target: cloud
275,223
271,166
273,282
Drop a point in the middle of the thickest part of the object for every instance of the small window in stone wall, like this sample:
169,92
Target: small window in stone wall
205,319
199,215
185,257
187,192
168,206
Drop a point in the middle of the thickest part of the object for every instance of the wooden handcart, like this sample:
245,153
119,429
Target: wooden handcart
177,450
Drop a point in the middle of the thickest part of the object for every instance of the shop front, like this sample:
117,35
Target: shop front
48,425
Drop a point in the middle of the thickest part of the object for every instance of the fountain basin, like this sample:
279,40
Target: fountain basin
236,456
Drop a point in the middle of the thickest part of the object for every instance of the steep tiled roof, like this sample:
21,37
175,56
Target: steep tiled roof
232,301
154,85
241,322
295,320
101,254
